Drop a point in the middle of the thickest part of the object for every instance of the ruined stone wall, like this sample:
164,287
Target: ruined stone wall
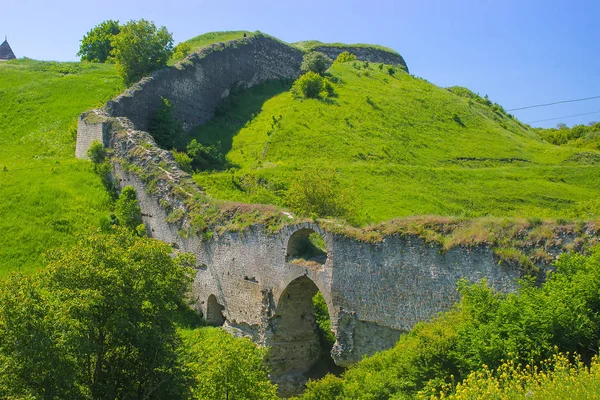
364,54
90,128
374,291
197,85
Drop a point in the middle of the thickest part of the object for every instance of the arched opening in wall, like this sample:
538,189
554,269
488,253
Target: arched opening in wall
214,311
301,341
306,247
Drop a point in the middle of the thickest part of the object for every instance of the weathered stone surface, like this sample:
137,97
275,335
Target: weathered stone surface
198,84
92,126
251,281
364,54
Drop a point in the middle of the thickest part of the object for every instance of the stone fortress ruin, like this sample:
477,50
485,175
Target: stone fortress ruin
258,283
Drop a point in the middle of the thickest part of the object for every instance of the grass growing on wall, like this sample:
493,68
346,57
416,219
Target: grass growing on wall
400,145
47,196
200,41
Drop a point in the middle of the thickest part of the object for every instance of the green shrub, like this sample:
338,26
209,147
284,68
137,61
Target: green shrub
127,209
309,85
183,160
164,128
344,57
181,50
320,193
315,61
96,152
203,156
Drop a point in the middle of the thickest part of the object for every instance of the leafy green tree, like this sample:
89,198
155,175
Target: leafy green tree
141,48
315,61
225,367
127,209
96,44
95,323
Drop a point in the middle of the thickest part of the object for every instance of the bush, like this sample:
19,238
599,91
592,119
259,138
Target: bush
312,86
203,156
315,61
183,160
140,48
96,44
96,152
319,193
127,209
309,85
345,57
164,128
181,50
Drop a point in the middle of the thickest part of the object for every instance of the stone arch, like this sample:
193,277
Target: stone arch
308,245
295,346
214,311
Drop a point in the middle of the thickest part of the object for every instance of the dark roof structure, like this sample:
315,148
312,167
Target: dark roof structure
6,52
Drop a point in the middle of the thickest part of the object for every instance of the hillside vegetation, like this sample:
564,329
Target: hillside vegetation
48,197
398,146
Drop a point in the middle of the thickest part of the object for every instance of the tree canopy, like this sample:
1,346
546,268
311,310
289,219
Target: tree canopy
96,44
96,323
141,48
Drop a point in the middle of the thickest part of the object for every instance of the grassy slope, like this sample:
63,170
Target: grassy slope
308,45
206,39
397,142
47,195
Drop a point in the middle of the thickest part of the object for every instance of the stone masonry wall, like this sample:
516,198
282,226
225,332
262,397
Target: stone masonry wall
374,291
364,54
196,86
90,128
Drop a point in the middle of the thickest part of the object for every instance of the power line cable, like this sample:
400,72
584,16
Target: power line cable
566,116
557,102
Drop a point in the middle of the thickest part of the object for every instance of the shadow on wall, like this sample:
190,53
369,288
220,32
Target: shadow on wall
214,312
235,111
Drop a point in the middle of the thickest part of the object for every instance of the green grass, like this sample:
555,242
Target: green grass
209,38
308,45
401,145
48,197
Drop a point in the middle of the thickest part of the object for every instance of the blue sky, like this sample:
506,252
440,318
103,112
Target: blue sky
518,52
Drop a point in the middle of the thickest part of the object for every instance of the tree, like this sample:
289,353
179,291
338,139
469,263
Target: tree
225,367
95,323
141,48
96,44
127,209
315,61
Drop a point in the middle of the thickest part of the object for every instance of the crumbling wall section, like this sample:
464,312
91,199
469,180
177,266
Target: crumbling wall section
198,84
364,54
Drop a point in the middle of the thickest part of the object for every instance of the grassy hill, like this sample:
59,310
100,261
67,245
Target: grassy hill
47,196
400,146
